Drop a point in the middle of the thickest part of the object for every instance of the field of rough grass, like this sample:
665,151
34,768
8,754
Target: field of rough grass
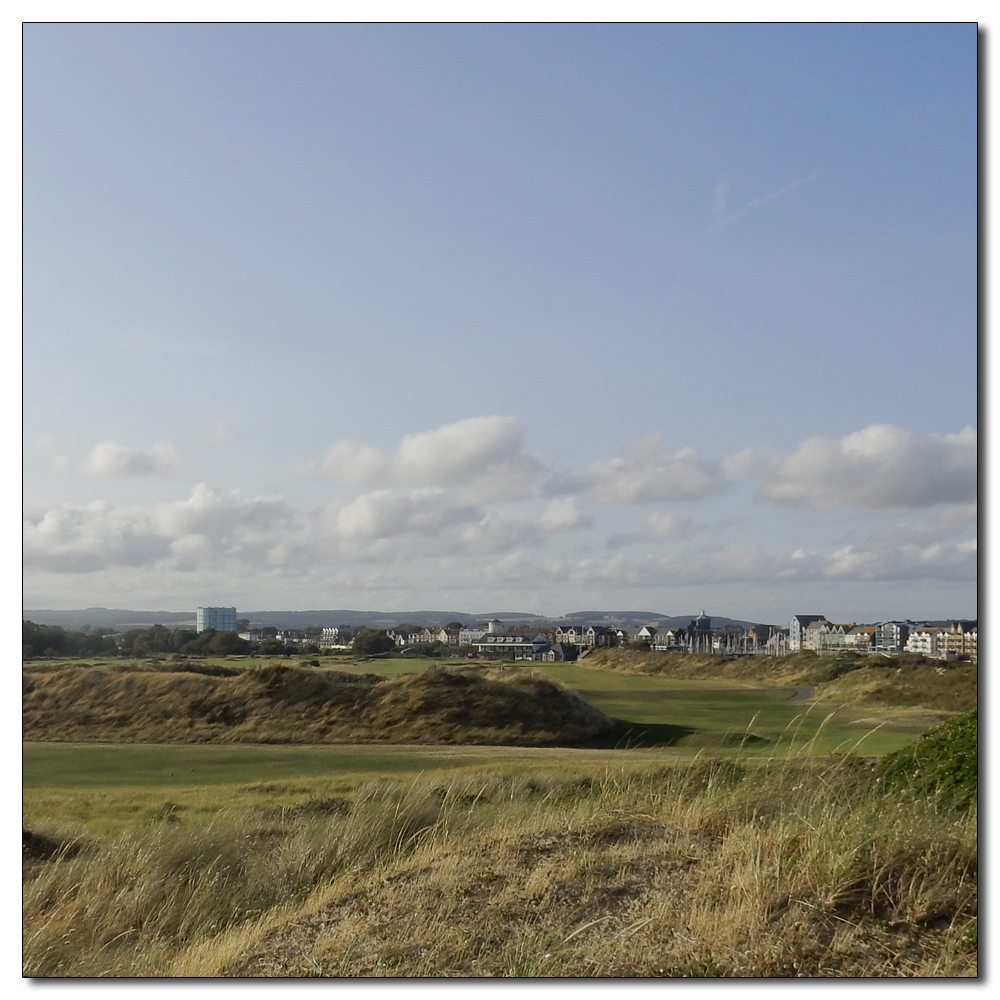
706,868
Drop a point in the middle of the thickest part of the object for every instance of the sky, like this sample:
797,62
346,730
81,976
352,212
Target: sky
538,317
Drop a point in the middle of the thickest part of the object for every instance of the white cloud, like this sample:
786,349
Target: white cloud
504,530
562,514
111,460
84,538
649,471
881,468
215,525
352,464
219,514
483,458
390,513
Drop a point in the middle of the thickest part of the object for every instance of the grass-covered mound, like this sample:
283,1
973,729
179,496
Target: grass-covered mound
943,764
702,666
931,684
279,704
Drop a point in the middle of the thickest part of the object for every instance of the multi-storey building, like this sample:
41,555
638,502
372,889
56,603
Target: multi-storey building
220,619
471,634
827,637
890,637
797,629
959,639
923,640
861,638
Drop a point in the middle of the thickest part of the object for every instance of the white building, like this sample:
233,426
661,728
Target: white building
335,637
924,640
471,634
221,619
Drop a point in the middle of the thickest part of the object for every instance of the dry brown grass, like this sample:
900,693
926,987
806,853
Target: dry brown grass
780,670
638,883
943,688
797,868
279,704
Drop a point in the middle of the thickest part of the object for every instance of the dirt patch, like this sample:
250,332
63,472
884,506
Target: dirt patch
39,847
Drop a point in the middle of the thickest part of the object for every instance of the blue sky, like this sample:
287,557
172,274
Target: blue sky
502,316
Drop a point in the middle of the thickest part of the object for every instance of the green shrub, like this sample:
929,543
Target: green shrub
943,763
830,670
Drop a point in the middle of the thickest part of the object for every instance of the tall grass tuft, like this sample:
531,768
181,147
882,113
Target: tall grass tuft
121,908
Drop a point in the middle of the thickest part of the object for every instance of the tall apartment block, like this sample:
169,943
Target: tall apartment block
221,619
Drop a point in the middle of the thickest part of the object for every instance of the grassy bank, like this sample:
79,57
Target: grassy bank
284,704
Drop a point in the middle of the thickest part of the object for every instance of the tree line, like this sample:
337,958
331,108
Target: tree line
51,641
54,641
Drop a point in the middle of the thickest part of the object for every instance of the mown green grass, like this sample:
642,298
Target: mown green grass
108,765
192,765
721,712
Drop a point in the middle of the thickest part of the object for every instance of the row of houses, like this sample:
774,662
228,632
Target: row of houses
329,638
581,636
560,642
955,640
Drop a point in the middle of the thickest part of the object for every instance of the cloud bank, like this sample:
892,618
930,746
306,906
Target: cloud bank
467,508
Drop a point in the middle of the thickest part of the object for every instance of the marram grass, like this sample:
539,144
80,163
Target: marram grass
710,868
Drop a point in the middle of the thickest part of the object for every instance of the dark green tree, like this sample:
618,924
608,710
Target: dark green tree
371,641
228,644
272,647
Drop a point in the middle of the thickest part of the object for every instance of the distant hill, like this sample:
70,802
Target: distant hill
377,619
116,618
634,619
121,619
